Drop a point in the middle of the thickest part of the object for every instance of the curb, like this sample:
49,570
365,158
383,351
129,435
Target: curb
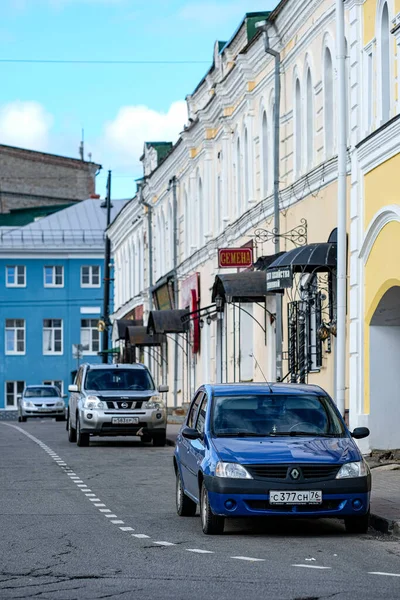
384,525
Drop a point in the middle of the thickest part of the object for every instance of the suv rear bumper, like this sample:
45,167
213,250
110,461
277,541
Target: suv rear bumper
98,422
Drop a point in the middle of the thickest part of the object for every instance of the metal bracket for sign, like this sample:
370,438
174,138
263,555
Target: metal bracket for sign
297,235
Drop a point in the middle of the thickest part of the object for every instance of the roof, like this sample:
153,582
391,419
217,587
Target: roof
35,155
18,217
138,336
123,324
76,228
263,388
246,286
167,321
311,258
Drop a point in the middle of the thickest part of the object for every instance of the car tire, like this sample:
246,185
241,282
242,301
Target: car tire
357,524
60,418
185,507
210,523
19,419
71,431
145,439
23,419
82,439
160,440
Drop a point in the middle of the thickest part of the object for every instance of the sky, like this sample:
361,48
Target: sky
45,106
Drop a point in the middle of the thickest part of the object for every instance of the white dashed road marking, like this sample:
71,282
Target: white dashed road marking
164,543
311,567
117,522
140,536
384,574
127,529
248,558
198,551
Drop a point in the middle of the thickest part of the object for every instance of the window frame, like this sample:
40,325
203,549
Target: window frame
205,400
194,408
14,328
90,284
16,285
52,328
54,283
90,352
15,393
54,382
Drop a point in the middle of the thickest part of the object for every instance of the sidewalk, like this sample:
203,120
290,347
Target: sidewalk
385,497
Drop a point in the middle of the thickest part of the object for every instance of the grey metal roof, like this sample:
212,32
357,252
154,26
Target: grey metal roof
77,227
246,286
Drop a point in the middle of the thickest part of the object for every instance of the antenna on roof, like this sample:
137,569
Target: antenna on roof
82,146
262,373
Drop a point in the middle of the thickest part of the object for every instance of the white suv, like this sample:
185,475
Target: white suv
112,400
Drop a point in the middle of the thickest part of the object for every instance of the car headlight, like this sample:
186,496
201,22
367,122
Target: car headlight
353,469
154,404
232,471
60,404
28,404
92,402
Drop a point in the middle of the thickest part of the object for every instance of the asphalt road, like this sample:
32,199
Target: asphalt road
100,522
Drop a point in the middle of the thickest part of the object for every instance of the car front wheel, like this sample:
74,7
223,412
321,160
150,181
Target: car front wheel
357,524
185,507
71,431
82,439
160,439
211,524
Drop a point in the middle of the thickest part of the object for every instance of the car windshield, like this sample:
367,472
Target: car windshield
275,415
119,379
41,392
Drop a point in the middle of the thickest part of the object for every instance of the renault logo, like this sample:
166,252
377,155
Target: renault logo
294,473
124,405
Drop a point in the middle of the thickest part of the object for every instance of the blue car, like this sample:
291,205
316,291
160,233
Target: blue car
269,450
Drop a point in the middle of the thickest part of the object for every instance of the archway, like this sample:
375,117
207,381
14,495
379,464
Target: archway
384,356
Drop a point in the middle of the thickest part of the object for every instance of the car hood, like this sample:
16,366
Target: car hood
122,393
289,450
47,400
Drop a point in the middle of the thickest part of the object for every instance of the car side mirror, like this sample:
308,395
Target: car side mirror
163,389
191,434
360,432
73,388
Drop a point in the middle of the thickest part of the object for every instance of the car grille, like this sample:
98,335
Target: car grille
299,508
44,405
307,472
131,404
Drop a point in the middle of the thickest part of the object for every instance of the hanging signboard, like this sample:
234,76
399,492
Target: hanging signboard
240,258
279,278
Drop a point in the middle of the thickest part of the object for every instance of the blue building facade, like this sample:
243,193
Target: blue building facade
51,300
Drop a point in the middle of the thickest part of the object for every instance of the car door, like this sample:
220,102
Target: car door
74,396
195,448
185,447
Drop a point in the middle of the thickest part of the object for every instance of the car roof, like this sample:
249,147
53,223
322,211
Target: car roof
222,389
41,385
117,366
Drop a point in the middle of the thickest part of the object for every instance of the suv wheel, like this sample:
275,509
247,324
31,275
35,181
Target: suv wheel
82,439
357,524
71,430
160,439
211,524
185,507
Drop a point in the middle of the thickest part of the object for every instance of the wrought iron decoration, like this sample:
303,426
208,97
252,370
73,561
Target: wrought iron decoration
297,235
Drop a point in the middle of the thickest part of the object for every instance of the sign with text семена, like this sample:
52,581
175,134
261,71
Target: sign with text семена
240,258
279,278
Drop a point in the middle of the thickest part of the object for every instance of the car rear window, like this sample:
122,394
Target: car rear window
274,414
41,392
119,379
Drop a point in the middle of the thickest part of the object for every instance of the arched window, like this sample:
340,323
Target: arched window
297,129
171,236
158,247
186,221
218,195
238,178
385,63
134,271
246,169
139,263
310,121
163,249
200,213
328,103
264,155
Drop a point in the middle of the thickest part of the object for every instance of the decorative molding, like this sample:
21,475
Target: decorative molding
385,215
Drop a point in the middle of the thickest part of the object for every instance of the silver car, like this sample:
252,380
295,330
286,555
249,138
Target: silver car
41,401
113,400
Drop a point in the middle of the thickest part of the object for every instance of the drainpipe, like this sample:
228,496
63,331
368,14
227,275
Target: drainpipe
263,26
150,237
342,211
173,184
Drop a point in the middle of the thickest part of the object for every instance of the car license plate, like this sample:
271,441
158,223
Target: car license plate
125,420
45,409
306,497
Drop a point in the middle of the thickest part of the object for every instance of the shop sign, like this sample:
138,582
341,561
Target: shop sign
190,299
240,258
279,279
163,297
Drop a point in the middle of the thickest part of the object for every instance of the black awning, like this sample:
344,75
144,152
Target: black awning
246,286
167,321
264,262
138,336
122,324
312,258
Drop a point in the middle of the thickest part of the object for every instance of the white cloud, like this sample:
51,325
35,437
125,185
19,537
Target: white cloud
212,13
25,124
124,137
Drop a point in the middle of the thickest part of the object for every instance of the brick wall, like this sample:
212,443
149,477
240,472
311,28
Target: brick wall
30,178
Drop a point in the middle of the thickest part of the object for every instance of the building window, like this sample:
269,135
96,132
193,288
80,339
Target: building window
15,336
13,390
246,169
385,63
54,276
328,110
265,165
90,336
201,214
52,336
310,121
58,383
16,276
370,88
238,178
90,276
297,129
